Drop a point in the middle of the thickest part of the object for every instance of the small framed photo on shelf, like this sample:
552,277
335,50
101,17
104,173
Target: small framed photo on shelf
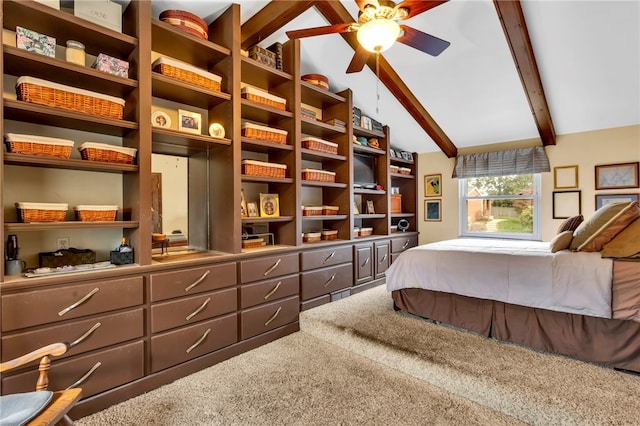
356,210
160,119
617,176
189,121
243,204
566,204
269,205
605,199
433,210
370,208
565,177
432,185
392,153
252,209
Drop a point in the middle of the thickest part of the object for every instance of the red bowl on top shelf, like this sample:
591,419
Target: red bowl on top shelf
317,80
187,22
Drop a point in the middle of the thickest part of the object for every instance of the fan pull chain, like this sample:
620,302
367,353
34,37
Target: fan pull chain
377,84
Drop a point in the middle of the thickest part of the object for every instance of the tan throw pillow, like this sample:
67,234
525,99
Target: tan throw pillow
626,243
571,224
605,224
562,241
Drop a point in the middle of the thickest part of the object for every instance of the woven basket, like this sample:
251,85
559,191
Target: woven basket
41,212
55,95
263,97
311,211
38,145
186,73
311,237
365,232
318,175
252,243
92,151
330,210
329,234
254,131
320,145
96,213
262,169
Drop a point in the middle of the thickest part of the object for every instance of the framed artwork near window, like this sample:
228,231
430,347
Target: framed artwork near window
604,199
433,210
617,176
565,177
433,185
566,204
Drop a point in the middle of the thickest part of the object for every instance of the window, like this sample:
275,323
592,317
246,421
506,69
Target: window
500,206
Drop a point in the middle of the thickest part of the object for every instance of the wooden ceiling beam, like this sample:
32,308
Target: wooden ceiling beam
515,30
269,19
336,13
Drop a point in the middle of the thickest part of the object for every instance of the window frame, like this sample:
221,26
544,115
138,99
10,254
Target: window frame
462,219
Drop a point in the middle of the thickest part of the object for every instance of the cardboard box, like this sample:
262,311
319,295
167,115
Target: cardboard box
112,65
35,42
102,12
51,3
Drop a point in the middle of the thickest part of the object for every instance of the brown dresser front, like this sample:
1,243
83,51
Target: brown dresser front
400,244
325,280
269,290
188,281
326,257
268,267
260,319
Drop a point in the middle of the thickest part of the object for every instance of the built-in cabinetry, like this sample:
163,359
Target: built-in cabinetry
404,191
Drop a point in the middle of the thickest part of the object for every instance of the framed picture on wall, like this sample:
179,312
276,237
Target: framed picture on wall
433,185
565,177
604,199
433,210
566,204
616,176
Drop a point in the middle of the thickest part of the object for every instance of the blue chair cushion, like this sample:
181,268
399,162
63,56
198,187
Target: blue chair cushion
18,408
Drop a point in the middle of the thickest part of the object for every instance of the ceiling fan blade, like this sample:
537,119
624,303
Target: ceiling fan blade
331,29
422,41
362,3
359,60
416,7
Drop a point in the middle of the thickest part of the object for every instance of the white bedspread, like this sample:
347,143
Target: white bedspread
512,271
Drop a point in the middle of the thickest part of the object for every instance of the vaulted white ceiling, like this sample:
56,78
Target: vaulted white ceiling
587,52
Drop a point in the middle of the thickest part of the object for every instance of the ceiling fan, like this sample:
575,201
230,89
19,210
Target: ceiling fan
377,29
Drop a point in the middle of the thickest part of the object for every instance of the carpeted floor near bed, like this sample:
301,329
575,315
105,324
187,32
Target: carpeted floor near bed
356,361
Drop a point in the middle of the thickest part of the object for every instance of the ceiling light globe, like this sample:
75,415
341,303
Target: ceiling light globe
378,35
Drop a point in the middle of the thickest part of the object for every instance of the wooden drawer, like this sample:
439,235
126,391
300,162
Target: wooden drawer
177,346
266,291
47,306
382,257
166,285
189,310
399,245
94,333
115,367
267,317
268,267
328,257
364,263
326,280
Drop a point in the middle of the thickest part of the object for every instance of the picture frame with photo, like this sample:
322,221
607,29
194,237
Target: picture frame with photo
605,199
269,205
370,207
392,153
617,176
433,210
243,204
433,185
189,121
160,119
252,210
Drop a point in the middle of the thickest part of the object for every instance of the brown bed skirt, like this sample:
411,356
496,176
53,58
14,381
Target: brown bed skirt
611,342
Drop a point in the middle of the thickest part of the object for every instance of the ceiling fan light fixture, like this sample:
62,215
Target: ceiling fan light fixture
378,35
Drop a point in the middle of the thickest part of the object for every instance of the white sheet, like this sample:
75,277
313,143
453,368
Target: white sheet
512,271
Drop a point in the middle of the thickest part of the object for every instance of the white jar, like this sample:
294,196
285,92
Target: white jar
75,52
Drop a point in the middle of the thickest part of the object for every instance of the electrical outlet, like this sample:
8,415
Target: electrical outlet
62,243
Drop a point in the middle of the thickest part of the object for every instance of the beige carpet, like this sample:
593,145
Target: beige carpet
358,362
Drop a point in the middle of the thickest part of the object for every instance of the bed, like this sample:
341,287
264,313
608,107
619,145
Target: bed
563,301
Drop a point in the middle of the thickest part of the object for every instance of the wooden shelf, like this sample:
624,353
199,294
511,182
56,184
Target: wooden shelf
361,131
401,176
320,98
368,150
369,191
259,179
257,145
400,215
186,93
324,217
324,184
261,75
321,129
70,164
52,226
370,216
262,113
172,142
309,154
267,219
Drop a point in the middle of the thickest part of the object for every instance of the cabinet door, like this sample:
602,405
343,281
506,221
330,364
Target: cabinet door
364,263
383,253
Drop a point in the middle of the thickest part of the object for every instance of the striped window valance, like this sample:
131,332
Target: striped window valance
502,163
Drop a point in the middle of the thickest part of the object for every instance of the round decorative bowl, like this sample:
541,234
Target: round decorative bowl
187,22
317,80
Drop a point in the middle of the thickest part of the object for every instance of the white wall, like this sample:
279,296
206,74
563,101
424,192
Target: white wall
588,149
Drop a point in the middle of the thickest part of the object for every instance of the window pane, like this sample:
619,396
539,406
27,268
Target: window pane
500,216
501,185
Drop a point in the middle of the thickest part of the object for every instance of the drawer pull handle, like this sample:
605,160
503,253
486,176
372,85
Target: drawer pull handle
274,266
197,311
79,302
200,340
273,290
366,261
85,335
404,246
333,277
333,253
198,281
86,376
383,258
273,317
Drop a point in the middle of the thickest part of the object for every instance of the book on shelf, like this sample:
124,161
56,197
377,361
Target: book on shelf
277,49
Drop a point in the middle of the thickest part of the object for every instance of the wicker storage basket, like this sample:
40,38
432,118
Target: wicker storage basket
394,169
320,145
356,232
311,211
94,151
365,232
318,175
42,92
263,97
41,212
263,169
38,145
311,237
405,171
252,243
187,73
256,131
330,210
393,228
86,213
329,234
187,22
